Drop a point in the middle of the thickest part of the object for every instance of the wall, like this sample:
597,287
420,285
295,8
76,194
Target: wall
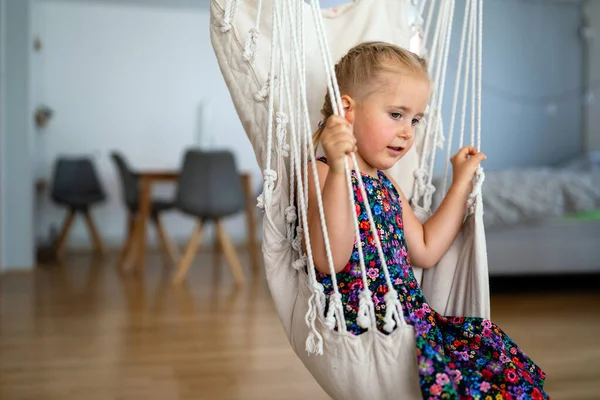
591,10
139,87
16,188
532,54
104,98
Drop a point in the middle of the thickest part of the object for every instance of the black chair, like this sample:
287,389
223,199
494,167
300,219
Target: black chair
209,189
130,192
76,185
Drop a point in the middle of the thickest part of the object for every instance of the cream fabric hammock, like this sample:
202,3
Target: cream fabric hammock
277,59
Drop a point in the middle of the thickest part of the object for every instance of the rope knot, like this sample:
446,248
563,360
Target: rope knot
282,121
262,94
392,309
300,263
251,44
290,214
365,309
269,176
477,186
335,305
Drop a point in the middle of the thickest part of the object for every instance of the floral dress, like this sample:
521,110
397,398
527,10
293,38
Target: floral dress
458,357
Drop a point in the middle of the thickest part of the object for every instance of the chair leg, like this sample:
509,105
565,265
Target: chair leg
98,243
64,234
129,241
230,254
189,254
167,243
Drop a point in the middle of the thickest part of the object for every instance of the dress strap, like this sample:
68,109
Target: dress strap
323,159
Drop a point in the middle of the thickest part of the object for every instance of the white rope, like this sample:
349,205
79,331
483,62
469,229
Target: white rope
226,24
421,173
251,45
479,72
316,301
335,310
394,314
473,71
463,38
262,94
282,121
479,174
291,212
252,39
428,20
314,341
231,8
366,309
269,174
466,84
439,126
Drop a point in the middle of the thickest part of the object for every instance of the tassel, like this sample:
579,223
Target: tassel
314,341
334,313
392,305
365,309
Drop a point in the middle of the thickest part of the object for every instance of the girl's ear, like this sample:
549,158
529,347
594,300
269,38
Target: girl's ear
349,108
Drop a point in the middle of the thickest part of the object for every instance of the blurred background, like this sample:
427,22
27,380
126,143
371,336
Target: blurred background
109,106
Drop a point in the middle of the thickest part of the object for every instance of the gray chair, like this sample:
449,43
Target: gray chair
130,192
76,186
209,189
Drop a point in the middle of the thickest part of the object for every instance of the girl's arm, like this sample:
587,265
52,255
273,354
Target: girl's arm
338,214
429,241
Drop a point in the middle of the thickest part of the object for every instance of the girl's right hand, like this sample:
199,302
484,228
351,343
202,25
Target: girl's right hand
337,140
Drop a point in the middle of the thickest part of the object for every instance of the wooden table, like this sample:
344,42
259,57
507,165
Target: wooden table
146,179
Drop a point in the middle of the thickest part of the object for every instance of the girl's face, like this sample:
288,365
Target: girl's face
385,121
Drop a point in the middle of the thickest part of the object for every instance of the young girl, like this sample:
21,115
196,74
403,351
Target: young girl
385,90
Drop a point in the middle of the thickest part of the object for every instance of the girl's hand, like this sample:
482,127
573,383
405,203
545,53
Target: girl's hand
465,164
337,140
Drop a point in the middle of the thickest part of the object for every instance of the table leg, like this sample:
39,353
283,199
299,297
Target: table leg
251,222
143,219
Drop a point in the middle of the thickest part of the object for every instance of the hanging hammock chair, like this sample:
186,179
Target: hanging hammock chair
277,59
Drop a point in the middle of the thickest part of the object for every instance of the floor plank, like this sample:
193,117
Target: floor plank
84,331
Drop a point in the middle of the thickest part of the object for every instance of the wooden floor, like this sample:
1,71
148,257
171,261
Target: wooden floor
82,331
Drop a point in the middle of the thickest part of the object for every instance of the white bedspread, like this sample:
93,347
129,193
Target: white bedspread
519,196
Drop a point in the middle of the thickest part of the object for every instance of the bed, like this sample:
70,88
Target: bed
544,221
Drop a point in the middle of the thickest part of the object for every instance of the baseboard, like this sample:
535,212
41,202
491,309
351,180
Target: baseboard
539,283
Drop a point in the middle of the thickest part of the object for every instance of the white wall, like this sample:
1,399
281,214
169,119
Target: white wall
16,188
131,78
591,11
2,80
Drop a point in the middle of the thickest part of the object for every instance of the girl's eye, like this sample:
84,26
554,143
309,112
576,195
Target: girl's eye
395,115
416,121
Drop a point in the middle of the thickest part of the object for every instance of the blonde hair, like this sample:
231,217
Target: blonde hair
362,66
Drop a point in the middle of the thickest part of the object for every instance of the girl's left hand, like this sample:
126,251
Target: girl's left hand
465,164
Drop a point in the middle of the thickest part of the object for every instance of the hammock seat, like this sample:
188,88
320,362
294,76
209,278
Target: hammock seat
272,56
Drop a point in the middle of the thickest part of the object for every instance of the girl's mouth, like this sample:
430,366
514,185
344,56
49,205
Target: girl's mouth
396,149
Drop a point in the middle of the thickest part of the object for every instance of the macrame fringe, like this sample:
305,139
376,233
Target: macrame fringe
366,309
393,311
335,314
